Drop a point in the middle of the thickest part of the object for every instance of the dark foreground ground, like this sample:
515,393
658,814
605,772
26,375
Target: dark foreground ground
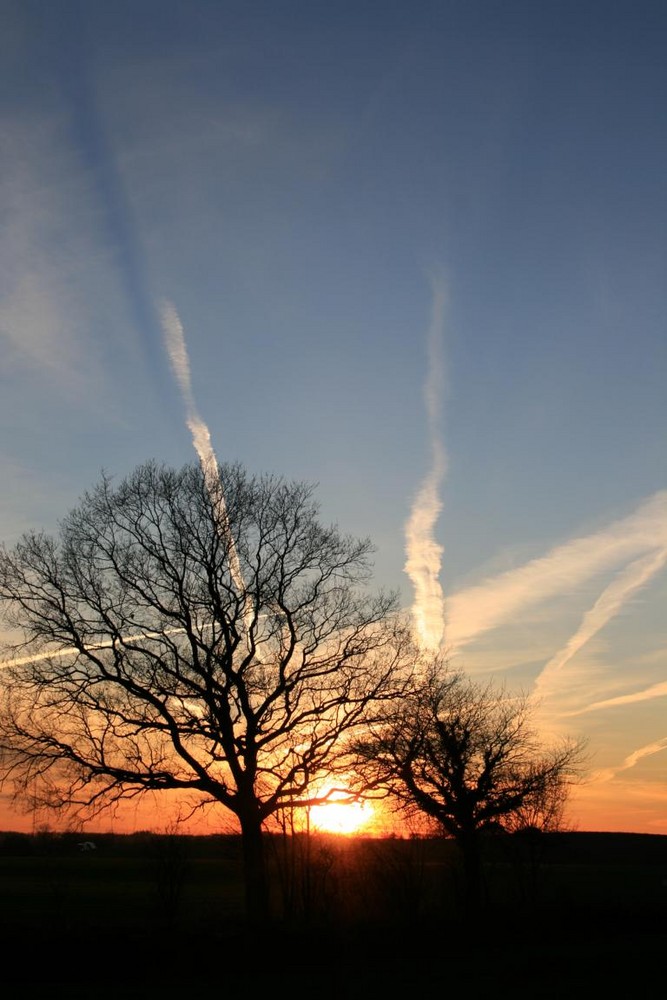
565,915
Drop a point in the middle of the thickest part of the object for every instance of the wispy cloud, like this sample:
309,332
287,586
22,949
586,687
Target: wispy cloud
499,599
65,651
646,751
610,602
646,694
54,271
608,773
180,365
424,552
201,437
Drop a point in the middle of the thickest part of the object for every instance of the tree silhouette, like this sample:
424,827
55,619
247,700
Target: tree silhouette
467,756
195,634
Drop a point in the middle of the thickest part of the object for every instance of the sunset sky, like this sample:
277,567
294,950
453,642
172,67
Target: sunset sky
414,252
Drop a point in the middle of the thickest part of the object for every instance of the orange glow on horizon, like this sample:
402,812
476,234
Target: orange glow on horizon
613,806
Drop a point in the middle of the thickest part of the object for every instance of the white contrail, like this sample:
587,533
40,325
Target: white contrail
21,661
424,552
609,603
499,599
646,751
658,690
201,437
608,773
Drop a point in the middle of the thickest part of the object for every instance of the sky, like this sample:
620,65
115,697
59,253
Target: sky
412,252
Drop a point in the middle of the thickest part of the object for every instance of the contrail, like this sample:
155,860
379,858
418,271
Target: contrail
499,599
201,437
645,751
21,661
424,552
658,690
609,603
608,773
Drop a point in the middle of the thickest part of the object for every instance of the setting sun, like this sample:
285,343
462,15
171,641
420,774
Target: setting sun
344,817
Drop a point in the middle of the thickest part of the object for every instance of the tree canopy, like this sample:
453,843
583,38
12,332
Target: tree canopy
202,634
467,755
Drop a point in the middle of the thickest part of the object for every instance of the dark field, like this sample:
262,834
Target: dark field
564,915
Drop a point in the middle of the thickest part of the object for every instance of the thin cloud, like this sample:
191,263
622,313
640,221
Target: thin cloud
424,552
625,585
645,751
177,352
180,365
50,255
500,599
21,661
201,437
646,694
609,773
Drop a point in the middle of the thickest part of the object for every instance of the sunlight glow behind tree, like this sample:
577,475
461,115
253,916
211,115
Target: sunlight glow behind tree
172,671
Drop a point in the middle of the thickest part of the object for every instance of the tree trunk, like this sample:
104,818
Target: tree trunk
254,869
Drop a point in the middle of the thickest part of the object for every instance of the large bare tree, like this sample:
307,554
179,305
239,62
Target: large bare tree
203,634
468,756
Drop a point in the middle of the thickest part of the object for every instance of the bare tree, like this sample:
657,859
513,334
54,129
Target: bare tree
467,756
206,637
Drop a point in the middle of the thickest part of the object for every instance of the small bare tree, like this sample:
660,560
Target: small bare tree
203,635
467,756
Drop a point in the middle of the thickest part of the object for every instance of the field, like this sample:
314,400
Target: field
564,915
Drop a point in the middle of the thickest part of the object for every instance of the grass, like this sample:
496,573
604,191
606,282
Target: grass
149,916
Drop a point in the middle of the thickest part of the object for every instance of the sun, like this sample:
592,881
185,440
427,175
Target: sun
339,815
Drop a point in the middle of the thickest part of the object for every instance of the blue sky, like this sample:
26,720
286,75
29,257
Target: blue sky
417,251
